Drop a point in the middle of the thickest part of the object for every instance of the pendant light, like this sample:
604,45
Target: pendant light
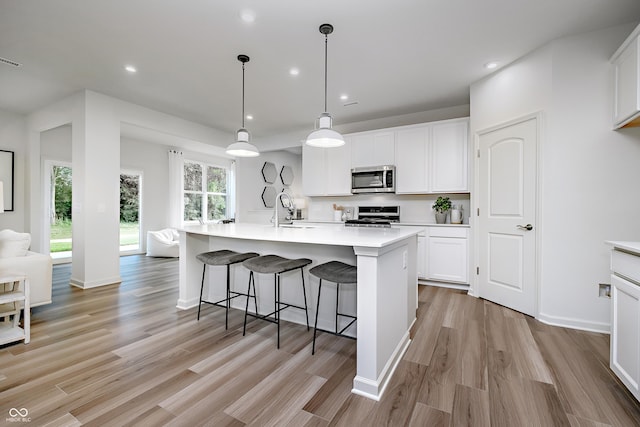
324,136
242,147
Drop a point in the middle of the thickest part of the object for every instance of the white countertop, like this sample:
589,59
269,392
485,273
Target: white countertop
325,234
633,247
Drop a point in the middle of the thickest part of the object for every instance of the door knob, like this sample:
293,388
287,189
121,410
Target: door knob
527,227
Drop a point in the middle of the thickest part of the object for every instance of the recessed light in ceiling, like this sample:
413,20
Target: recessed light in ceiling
294,71
490,65
344,97
248,15
131,69
249,117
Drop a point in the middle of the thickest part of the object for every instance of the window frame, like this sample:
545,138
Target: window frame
204,194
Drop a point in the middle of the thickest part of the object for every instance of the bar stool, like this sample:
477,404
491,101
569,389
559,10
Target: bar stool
223,257
276,265
339,273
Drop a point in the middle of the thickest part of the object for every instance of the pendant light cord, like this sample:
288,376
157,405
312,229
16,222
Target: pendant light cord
326,39
243,95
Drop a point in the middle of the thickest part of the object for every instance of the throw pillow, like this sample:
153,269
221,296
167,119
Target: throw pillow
13,244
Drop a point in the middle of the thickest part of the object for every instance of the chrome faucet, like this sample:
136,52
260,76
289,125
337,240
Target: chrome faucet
289,217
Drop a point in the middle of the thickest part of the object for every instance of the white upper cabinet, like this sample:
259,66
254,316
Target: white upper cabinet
449,147
412,146
433,158
326,171
626,69
373,148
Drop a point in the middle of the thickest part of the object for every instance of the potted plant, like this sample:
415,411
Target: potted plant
441,206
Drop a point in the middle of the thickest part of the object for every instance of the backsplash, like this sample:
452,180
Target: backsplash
413,208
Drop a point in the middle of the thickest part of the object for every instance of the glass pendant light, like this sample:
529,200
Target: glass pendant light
324,136
242,147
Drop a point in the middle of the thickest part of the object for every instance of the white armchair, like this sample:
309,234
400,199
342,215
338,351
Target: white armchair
163,243
15,258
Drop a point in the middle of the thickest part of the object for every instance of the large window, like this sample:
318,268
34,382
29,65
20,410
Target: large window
205,191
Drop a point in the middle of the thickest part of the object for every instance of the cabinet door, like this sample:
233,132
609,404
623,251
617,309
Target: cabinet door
338,170
411,160
448,157
627,78
625,333
373,149
313,171
447,259
422,256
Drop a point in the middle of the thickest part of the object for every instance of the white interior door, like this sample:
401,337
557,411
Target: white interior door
507,216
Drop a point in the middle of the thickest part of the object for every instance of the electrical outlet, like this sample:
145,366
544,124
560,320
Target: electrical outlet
604,290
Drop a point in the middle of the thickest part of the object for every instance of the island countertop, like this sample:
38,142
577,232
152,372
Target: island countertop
328,234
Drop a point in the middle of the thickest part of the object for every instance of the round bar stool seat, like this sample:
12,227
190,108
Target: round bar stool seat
223,257
276,265
339,273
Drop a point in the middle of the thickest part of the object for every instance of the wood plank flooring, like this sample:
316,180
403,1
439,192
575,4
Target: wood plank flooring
124,355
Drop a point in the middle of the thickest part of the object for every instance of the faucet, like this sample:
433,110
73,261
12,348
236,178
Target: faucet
288,205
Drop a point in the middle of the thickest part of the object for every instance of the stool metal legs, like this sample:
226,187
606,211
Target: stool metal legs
228,298
278,305
339,333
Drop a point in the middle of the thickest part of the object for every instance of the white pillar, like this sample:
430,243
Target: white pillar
96,192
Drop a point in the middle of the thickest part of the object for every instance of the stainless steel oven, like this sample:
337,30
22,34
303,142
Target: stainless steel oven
376,179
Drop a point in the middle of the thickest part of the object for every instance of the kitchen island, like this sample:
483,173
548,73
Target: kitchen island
385,299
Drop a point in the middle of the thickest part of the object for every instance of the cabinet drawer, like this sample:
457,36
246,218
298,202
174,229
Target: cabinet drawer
626,265
455,232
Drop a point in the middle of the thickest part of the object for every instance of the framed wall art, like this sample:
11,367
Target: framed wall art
6,177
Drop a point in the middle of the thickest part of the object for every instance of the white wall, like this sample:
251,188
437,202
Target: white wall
13,133
588,173
250,184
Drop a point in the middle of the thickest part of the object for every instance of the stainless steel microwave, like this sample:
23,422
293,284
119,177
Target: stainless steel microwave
376,179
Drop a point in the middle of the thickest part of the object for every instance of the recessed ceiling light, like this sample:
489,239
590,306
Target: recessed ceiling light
344,97
490,65
294,71
249,117
248,15
131,68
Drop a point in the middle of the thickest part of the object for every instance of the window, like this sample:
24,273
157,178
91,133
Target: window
130,203
205,191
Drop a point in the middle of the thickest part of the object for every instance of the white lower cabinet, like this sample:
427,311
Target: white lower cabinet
447,254
422,255
625,320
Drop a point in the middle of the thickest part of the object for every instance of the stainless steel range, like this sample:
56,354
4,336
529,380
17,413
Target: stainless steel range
375,216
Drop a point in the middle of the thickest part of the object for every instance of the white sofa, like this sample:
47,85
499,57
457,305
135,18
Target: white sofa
15,258
163,243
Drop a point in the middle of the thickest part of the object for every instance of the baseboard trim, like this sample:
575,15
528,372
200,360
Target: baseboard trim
572,323
375,389
94,284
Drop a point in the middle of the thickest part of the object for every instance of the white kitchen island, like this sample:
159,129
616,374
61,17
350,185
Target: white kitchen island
386,296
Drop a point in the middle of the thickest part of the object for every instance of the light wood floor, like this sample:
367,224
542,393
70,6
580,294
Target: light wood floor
124,355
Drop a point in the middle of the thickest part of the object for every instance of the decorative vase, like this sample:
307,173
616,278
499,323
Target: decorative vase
441,218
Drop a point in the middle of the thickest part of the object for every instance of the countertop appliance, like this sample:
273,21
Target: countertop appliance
375,179
375,216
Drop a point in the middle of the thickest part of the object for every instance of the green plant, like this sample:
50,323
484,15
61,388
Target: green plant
442,204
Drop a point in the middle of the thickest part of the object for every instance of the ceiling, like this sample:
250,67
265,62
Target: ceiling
391,57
